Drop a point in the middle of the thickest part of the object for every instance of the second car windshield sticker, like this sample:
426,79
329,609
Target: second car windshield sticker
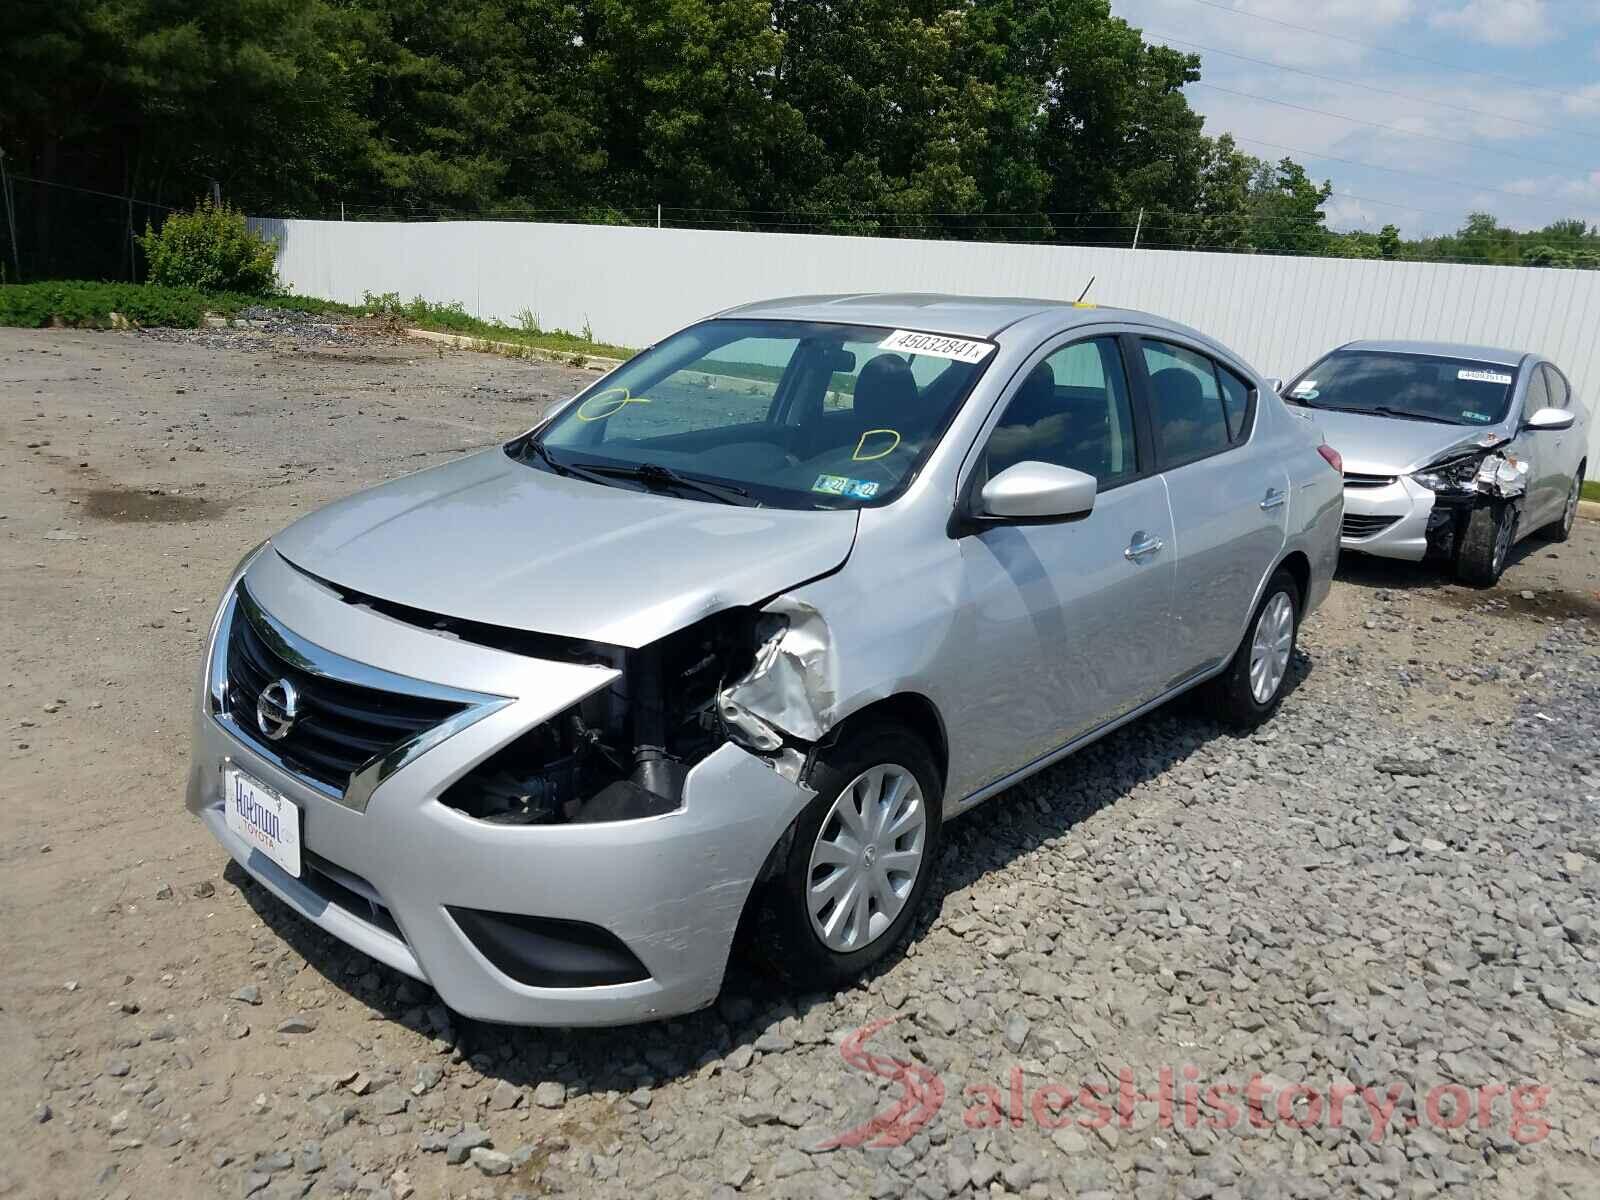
936,345
840,485
1483,376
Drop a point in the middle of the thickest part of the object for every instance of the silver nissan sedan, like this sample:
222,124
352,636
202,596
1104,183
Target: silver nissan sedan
725,640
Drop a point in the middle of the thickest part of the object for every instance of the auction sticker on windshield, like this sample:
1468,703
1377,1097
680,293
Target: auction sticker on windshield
937,346
1483,376
268,821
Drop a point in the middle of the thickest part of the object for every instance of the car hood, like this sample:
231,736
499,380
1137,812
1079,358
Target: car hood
489,539
1394,446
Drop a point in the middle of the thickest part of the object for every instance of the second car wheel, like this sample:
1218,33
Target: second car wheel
859,863
1486,543
1561,529
1249,691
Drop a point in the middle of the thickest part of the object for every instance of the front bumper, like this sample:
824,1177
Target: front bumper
1391,520
670,888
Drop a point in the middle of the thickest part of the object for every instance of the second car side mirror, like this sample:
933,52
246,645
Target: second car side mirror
1274,384
1037,491
1550,418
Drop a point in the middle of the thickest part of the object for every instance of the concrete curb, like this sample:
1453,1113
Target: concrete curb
566,358
1589,510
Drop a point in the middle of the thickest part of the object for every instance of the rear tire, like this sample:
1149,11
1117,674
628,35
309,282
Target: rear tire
1486,542
1250,690
891,780
1560,529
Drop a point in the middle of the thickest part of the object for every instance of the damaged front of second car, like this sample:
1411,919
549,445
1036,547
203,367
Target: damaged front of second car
721,643
1451,452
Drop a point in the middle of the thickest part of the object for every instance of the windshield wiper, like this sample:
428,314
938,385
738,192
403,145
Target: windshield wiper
654,475
1411,414
1384,410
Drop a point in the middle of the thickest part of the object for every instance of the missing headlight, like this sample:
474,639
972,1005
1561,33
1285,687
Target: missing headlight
624,752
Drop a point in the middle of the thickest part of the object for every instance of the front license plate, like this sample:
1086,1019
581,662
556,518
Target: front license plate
266,820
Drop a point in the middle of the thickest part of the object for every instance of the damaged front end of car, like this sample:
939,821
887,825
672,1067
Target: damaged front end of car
758,678
1464,479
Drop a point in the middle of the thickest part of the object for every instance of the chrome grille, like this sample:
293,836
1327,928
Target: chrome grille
341,726
1357,525
1354,479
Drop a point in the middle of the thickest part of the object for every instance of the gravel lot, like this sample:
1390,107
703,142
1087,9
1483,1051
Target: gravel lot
1392,886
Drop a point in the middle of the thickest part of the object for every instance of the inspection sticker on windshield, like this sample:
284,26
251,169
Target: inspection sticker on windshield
840,485
936,345
1483,376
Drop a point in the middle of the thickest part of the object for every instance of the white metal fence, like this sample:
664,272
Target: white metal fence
631,286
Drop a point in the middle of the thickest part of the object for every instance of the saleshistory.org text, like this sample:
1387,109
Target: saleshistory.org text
1183,1099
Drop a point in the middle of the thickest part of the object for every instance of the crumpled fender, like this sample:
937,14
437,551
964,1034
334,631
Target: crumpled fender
793,685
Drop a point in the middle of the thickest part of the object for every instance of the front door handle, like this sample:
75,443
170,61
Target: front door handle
1275,498
1141,546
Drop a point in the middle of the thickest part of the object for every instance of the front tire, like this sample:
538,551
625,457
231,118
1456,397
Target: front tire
858,867
1486,542
1250,690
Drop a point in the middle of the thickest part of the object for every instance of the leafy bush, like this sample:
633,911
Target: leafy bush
88,304
211,249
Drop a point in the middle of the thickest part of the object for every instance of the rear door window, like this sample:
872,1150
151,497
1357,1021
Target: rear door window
1186,407
1235,402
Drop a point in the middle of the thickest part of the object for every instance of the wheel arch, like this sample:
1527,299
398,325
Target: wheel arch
913,710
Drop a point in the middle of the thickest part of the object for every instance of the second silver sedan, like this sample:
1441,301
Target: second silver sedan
1450,451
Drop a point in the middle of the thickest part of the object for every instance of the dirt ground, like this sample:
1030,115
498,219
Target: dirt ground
136,471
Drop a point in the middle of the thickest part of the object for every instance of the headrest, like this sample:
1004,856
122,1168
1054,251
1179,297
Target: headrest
886,394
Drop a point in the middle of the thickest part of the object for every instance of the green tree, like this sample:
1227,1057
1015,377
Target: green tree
1389,241
1286,210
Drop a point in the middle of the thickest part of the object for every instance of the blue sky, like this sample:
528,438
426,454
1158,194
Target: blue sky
1503,118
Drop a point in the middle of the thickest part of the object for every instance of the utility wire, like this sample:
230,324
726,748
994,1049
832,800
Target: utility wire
1477,112
1339,37
1353,162
67,187
1432,137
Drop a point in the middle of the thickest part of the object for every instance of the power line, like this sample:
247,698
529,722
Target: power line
1369,87
1432,137
67,187
1339,37
1353,162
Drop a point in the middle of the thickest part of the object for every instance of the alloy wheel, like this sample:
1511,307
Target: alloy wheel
1571,513
1270,647
866,858
1502,540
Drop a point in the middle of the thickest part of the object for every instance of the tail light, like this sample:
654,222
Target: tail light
1335,459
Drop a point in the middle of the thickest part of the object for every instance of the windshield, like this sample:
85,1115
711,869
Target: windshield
792,414
1452,391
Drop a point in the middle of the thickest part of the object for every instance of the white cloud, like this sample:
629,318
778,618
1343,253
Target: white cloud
1498,22
1348,212
1585,101
1238,25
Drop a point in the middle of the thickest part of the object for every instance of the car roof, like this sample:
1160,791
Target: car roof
964,316
1488,354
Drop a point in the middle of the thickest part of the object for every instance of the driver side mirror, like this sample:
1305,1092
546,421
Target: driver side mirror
1550,419
1037,491
1274,384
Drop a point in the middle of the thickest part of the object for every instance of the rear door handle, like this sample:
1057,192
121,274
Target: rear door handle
1141,547
1275,498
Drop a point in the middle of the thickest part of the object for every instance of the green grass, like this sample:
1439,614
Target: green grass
454,318
1591,490
87,304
